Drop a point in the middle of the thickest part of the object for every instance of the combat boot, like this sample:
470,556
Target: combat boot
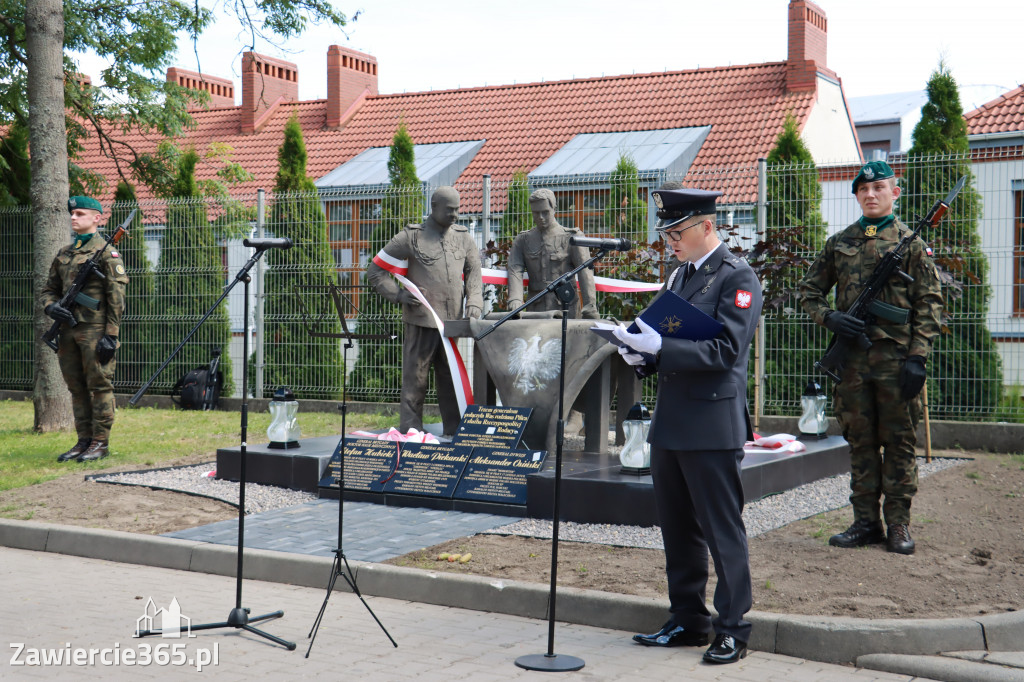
899,539
862,532
97,450
76,450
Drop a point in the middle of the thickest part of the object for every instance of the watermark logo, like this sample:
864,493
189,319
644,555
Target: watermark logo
169,621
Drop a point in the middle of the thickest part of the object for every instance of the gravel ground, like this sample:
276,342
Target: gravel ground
759,516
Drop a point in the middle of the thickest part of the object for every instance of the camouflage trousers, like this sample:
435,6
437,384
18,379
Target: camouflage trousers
92,393
881,429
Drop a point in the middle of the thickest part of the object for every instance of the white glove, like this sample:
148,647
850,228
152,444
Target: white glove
631,358
647,341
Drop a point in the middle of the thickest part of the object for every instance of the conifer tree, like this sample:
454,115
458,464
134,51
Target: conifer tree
16,333
189,279
625,214
965,365
309,366
139,355
795,232
516,217
377,375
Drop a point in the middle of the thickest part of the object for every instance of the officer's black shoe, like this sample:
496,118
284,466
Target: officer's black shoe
671,634
97,450
726,649
76,451
899,539
861,533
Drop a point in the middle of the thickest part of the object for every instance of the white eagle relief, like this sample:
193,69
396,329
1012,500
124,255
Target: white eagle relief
533,364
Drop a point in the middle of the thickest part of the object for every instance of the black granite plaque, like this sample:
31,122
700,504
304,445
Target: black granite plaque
429,470
367,463
491,426
496,475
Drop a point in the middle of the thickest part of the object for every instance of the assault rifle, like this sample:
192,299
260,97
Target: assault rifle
74,296
867,307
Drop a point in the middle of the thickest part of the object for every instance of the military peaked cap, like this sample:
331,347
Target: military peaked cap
676,205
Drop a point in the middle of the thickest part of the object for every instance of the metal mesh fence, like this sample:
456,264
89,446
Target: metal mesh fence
182,254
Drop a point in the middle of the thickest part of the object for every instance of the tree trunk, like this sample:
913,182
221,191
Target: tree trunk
44,28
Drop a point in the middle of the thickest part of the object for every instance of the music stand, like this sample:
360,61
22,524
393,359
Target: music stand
565,291
239,616
316,323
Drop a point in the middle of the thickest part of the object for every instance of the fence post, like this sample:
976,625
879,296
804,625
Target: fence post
485,225
762,226
258,345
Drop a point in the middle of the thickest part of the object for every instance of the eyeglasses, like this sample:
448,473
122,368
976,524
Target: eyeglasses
676,235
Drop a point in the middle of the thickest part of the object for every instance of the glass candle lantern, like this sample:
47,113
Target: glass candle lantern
812,423
284,431
635,456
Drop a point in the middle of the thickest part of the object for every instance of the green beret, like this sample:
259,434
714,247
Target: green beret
872,170
84,202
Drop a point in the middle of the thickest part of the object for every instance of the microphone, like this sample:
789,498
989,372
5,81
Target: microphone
603,244
279,243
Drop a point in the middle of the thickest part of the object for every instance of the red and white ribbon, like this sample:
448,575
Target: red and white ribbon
460,377
606,284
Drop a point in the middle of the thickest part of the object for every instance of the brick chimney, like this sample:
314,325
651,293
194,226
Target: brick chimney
222,90
808,30
265,81
349,75
83,80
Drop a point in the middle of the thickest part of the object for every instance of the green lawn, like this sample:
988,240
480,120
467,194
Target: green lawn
145,435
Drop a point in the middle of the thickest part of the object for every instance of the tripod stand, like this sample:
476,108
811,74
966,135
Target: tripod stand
340,567
239,616
565,291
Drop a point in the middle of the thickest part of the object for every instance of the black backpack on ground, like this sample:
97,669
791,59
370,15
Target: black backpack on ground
199,389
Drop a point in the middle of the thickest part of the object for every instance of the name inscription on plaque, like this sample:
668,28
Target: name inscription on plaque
492,426
499,475
367,463
430,470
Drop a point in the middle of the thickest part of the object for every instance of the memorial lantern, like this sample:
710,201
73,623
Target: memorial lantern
284,431
812,423
636,451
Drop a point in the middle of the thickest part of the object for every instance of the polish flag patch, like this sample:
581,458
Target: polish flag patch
743,298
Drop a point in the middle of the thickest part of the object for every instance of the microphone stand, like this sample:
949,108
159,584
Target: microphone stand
238,618
565,291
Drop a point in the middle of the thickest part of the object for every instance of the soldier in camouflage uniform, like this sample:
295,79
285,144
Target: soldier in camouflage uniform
86,351
444,262
878,401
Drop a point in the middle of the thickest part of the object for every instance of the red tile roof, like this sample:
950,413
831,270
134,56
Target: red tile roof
1004,114
522,124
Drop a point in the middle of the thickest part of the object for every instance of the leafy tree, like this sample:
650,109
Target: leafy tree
139,355
965,359
625,214
310,366
43,93
795,231
189,279
378,369
16,342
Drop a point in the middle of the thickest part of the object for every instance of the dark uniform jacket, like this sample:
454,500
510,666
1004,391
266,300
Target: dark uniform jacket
443,263
848,260
702,385
109,293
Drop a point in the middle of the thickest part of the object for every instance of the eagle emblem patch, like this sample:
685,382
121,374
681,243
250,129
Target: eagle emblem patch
743,298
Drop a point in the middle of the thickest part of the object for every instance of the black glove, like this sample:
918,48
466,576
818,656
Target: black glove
105,348
59,313
912,377
844,325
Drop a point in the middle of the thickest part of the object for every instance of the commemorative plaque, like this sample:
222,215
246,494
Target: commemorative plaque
428,470
499,475
367,463
492,426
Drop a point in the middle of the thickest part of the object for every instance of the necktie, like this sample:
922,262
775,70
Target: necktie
688,273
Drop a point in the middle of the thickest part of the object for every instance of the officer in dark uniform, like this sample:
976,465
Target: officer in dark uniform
698,430
878,403
86,351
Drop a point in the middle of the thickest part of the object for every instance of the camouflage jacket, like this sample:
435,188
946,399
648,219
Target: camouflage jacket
847,261
109,293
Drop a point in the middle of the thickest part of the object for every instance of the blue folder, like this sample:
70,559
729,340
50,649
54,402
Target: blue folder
673,316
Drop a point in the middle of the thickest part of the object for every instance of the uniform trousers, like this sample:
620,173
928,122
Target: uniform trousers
422,348
699,497
881,429
92,393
